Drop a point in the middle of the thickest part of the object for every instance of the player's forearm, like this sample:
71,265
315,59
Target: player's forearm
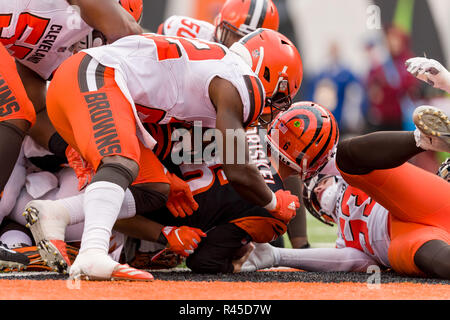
139,227
247,181
108,17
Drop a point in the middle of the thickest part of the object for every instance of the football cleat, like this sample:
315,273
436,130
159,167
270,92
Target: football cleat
36,261
433,129
47,221
124,272
10,259
97,266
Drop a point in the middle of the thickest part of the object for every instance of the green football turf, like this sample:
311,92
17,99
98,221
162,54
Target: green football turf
319,234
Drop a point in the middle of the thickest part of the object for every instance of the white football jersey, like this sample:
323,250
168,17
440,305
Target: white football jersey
167,78
40,33
181,26
362,223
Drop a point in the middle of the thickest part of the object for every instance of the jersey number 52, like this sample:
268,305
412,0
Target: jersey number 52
171,48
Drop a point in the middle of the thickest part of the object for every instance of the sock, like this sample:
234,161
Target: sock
102,202
75,207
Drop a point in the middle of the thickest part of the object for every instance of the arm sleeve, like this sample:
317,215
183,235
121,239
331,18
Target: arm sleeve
326,259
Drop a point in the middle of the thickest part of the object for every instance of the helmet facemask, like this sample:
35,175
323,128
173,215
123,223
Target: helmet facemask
281,98
323,210
225,30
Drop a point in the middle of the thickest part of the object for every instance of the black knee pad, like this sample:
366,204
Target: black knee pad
115,173
433,258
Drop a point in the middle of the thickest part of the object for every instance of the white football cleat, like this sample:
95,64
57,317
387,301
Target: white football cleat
433,129
98,266
263,256
47,221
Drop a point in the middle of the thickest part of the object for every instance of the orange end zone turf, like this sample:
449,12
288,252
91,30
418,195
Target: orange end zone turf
189,290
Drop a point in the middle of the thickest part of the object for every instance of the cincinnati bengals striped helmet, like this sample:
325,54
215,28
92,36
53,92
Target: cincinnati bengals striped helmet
304,137
134,7
277,63
240,17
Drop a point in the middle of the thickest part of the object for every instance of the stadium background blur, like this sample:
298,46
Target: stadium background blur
353,54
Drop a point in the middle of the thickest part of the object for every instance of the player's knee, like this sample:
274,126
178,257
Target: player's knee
345,159
202,261
116,169
433,258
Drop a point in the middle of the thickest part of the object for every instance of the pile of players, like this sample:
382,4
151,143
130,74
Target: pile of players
93,158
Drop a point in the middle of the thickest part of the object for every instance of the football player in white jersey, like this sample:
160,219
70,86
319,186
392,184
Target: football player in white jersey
235,20
162,79
39,36
383,213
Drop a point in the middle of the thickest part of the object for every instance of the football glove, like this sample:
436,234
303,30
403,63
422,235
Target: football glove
82,168
429,71
181,201
182,240
286,206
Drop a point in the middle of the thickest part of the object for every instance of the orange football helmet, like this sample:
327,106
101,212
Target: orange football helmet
277,63
134,7
240,17
304,137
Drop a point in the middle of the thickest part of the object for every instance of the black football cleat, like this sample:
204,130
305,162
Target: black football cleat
10,259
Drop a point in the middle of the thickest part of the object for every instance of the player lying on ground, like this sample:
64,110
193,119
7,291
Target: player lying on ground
393,212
